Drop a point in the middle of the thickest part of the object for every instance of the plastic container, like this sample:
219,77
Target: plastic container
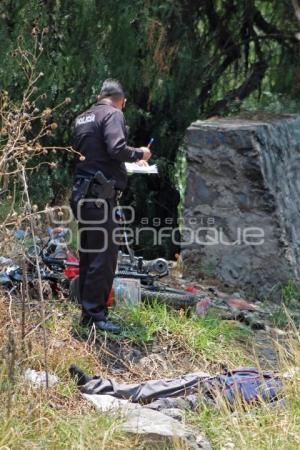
127,291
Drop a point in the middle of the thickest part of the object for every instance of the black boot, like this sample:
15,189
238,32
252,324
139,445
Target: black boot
106,325
102,325
79,375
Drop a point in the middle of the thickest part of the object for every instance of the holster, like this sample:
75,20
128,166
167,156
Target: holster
96,187
102,188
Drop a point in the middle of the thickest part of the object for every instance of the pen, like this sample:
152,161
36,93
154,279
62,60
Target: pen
150,142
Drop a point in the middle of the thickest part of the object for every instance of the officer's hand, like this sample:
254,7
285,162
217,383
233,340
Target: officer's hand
147,153
142,163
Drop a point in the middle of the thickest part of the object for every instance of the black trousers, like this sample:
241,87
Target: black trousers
98,255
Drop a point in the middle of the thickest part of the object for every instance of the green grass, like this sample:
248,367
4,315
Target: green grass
290,292
208,336
261,428
279,316
61,419
290,300
47,428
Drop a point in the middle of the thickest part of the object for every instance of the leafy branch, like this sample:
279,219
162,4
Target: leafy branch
25,128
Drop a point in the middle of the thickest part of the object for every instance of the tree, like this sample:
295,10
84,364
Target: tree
179,61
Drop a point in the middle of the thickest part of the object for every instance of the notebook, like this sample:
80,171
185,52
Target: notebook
135,168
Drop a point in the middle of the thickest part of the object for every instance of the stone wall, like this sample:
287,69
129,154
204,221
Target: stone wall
242,202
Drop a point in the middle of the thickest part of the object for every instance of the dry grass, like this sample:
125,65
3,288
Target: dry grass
58,418
267,426
61,419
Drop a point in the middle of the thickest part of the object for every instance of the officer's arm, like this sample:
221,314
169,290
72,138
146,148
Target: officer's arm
114,137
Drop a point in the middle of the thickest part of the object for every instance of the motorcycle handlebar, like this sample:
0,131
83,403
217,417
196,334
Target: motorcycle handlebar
59,262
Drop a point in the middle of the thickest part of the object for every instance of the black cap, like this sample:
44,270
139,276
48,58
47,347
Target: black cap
112,88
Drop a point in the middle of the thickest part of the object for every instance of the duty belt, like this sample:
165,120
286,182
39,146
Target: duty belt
93,189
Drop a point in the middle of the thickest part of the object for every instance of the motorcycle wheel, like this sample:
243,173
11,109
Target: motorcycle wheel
170,297
175,298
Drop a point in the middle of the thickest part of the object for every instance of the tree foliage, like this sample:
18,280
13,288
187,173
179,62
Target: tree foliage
178,59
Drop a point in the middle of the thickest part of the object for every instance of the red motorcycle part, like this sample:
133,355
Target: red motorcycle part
71,272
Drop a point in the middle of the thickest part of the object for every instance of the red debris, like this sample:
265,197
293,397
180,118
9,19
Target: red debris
191,289
110,299
240,303
202,306
71,272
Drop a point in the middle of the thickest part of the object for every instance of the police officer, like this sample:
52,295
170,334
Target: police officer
100,136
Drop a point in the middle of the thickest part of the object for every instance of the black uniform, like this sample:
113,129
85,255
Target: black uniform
100,135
